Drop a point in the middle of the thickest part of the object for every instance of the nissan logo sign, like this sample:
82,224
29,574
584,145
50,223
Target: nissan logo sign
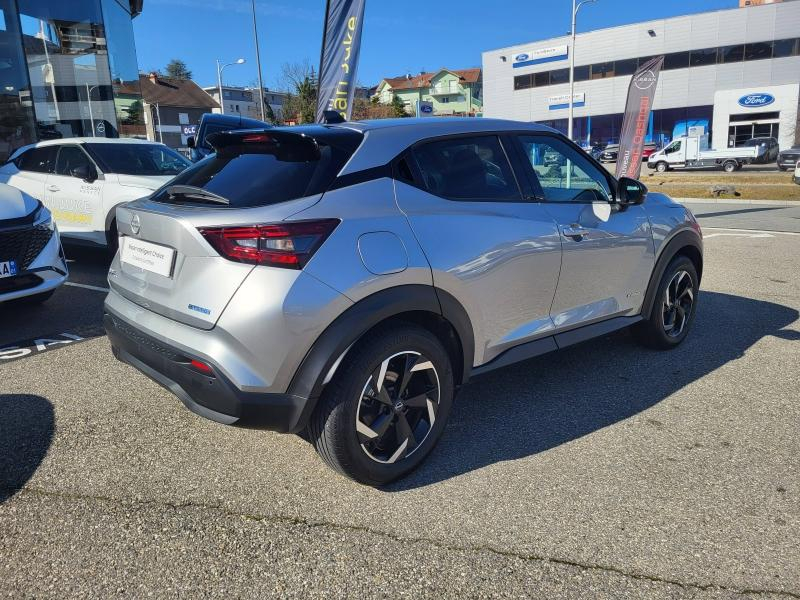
756,100
645,80
136,224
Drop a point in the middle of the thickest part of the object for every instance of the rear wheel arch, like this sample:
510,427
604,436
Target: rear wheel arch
423,305
686,243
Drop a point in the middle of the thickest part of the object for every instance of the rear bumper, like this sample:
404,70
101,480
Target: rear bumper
213,396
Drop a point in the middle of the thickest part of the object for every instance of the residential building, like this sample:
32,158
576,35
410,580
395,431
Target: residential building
172,107
64,68
731,73
245,101
452,93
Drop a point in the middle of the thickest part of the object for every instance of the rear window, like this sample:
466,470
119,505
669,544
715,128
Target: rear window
137,159
260,169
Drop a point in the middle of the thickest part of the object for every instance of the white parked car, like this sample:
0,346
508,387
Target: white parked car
797,174
32,263
82,180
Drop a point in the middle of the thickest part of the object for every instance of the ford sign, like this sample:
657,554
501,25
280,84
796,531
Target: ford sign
521,57
756,100
426,108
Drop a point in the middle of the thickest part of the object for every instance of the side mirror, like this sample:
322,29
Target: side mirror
190,141
87,172
630,191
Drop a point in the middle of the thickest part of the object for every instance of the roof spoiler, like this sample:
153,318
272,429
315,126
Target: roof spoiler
332,117
285,145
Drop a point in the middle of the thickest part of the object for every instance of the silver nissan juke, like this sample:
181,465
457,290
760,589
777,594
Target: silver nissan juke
342,281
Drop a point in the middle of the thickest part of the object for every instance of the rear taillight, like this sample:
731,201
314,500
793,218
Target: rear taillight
289,245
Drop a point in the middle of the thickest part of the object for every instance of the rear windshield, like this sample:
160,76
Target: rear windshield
137,159
260,169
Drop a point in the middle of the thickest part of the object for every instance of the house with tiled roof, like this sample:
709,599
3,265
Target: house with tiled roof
452,93
171,107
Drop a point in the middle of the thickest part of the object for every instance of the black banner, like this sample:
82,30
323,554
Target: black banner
341,42
641,93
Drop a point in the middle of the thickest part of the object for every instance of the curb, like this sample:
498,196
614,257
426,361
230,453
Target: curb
737,201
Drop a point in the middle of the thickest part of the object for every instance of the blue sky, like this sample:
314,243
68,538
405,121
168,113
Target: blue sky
397,37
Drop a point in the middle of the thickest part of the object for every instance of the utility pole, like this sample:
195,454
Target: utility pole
258,65
576,6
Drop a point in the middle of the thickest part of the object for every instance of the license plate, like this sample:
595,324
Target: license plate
147,256
8,268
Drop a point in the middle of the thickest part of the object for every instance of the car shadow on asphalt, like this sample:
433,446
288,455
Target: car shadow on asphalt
543,403
26,431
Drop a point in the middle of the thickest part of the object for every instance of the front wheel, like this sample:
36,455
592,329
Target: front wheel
673,309
386,407
730,166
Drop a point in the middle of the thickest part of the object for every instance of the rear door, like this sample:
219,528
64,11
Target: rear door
492,249
32,169
607,253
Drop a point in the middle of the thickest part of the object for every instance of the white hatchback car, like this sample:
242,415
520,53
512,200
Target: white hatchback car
32,263
82,180
797,174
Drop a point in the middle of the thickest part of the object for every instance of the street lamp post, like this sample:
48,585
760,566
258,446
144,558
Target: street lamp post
258,65
220,69
576,6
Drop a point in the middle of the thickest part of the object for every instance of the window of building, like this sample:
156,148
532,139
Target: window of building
751,116
68,67
473,168
541,79
784,48
643,60
445,100
627,66
701,58
522,82
603,70
758,51
559,76
583,73
16,124
731,54
676,60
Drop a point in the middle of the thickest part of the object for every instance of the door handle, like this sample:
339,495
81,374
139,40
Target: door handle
53,188
574,230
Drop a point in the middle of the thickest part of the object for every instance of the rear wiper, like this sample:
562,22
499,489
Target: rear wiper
190,191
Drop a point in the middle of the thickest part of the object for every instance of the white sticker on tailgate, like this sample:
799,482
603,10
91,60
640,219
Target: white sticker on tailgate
148,256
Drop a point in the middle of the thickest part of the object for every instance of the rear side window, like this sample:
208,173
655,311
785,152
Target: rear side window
251,170
467,168
138,159
37,160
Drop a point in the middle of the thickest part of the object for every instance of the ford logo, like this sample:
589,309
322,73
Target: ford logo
426,108
756,100
521,57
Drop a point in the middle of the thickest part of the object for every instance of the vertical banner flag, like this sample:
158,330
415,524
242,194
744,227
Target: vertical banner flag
341,42
636,121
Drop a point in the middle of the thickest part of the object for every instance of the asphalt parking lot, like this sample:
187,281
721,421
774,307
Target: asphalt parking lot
603,471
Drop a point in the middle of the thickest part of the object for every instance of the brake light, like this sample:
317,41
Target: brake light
288,245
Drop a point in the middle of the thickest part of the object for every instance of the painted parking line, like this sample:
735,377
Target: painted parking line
84,286
36,346
705,228
708,236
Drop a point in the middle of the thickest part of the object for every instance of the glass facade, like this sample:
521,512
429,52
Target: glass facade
68,69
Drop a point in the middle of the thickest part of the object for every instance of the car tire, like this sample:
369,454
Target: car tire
674,307
362,427
662,167
112,239
729,166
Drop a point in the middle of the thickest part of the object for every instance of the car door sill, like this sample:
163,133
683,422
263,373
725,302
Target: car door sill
555,342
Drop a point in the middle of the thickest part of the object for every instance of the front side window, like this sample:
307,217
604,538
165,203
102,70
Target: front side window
564,174
70,158
467,168
676,147
138,159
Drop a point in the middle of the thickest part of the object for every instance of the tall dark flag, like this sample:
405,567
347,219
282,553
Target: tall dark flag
641,93
341,42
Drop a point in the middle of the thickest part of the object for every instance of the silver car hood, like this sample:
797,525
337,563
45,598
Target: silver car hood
15,204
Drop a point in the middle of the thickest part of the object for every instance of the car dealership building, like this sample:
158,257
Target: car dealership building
733,74
68,68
